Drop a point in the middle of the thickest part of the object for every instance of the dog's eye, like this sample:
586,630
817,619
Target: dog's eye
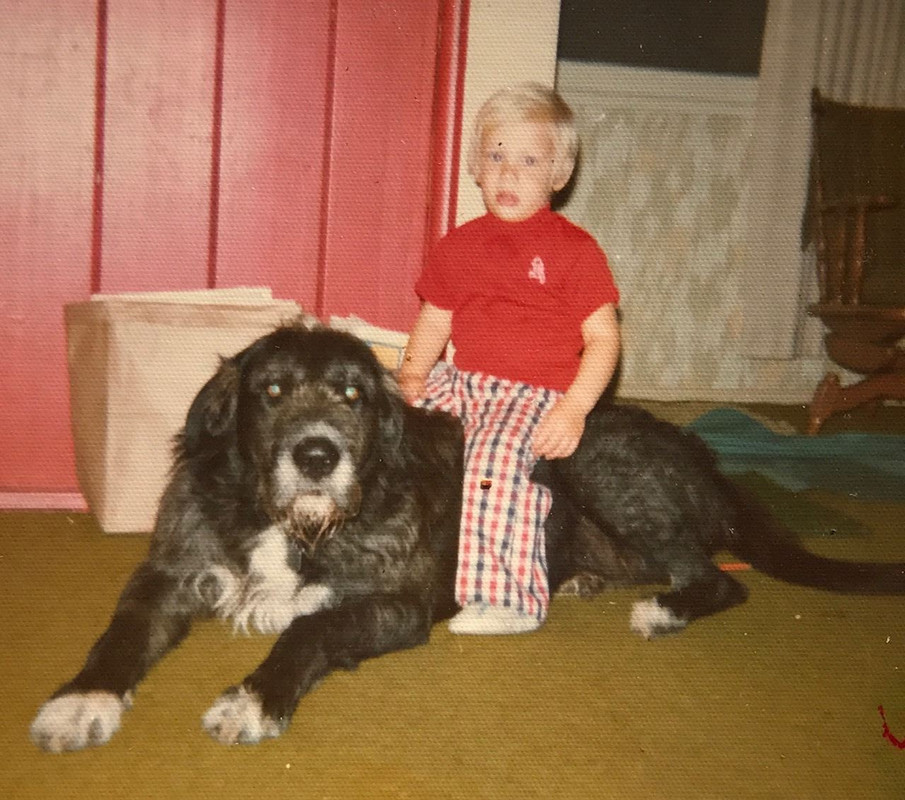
352,394
274,391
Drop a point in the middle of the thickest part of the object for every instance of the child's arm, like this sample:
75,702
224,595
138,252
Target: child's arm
426,342
559,432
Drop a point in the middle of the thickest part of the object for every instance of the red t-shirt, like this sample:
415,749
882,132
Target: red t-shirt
519,293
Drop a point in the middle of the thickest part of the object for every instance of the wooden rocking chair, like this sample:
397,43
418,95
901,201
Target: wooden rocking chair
857,224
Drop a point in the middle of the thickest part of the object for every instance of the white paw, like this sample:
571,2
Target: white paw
74,721
650,619
237,718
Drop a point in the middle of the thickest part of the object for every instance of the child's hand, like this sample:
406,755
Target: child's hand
559,432
413,386
426,342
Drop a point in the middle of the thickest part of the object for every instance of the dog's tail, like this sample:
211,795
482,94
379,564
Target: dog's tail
761,540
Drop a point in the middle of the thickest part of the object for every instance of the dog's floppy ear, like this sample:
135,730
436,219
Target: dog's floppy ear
212,415
391,416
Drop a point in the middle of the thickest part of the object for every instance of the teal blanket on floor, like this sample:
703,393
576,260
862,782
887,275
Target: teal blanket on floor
859,465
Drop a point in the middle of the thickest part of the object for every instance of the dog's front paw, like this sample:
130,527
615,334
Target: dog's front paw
74,721
236,717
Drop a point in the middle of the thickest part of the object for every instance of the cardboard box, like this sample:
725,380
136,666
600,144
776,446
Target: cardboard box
388,345
136,363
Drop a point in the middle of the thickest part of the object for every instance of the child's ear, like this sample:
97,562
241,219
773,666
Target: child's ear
562,173
475,171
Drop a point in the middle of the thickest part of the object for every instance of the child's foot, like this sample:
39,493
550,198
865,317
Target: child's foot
487,620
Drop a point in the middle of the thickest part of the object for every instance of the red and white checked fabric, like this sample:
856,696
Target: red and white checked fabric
502,557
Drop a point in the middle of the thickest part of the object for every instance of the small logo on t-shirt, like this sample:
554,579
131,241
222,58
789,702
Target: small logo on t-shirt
537,270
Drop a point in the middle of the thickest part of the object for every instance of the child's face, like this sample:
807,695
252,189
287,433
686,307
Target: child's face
516,170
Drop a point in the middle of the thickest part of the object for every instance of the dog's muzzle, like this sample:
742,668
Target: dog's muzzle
314,485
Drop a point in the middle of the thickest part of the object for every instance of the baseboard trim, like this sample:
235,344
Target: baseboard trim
42,501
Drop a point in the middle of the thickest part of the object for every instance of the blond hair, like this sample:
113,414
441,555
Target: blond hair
529,102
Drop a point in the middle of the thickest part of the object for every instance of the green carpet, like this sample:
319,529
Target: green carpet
775,699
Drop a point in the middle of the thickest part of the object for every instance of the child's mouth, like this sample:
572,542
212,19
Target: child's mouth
507,199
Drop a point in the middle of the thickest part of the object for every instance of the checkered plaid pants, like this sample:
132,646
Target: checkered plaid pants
502,560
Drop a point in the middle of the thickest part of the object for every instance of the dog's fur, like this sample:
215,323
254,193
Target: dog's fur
307,499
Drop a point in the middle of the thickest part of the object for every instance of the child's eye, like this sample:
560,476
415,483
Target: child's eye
530,161
495,156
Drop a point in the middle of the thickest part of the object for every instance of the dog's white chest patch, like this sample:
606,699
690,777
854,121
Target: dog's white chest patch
272,594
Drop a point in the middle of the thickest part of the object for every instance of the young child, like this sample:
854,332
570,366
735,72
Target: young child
530,305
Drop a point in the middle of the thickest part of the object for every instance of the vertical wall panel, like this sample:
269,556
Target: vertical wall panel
274,86
157,139
379,164
449,91
46,139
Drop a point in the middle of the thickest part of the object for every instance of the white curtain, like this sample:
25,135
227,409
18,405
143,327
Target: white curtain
853,51
861,52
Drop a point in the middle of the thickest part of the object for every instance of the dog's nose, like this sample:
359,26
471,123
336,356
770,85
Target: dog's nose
316,456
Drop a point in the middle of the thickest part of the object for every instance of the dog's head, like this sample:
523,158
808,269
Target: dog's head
302,414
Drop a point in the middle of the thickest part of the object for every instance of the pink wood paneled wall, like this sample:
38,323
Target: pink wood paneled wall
157,139
238,142
46,166
380,144
277,64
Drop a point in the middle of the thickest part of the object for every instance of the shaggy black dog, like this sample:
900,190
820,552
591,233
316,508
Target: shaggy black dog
308,500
